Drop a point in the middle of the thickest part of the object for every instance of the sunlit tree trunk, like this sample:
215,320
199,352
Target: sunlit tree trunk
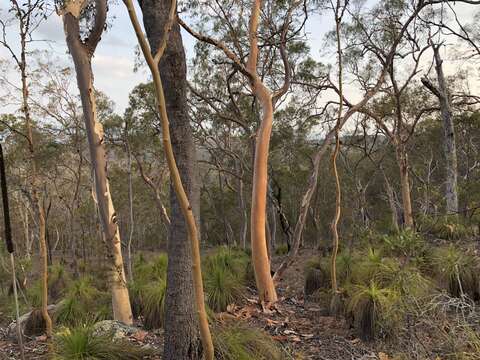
261,263
82,52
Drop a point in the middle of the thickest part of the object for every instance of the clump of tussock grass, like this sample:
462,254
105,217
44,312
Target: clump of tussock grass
458,272
153,304
240,341
83,302
80,342
373,309
225,274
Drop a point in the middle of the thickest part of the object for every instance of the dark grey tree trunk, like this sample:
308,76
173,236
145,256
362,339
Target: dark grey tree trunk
181,334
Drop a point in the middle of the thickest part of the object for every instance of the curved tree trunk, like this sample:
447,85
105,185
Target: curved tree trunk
81,54
260,260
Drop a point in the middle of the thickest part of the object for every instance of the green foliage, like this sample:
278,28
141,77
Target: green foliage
458,271
446,227
153,270
225,273
80,343
318,272
405,243
374,309
58,279
222,288
242,342
153,304
281,249
83,303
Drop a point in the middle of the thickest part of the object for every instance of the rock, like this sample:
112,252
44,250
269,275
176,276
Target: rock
115,328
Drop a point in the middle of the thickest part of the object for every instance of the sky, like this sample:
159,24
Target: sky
113,62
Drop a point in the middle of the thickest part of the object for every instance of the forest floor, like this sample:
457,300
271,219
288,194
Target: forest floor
304,328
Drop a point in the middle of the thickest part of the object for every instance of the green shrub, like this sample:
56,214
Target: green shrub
79,343
281,249
83,303
458,271
148,271
318,272
58,279
234,261
226,272
222,288
447,227
373,309
153,304
405,243
242,342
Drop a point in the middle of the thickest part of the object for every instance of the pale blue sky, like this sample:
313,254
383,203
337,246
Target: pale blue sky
114,59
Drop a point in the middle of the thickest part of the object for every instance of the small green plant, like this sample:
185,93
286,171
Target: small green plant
281,249
316,276
80,343
458,271
242,342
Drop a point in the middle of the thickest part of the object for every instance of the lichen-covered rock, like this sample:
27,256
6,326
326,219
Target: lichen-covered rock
115,328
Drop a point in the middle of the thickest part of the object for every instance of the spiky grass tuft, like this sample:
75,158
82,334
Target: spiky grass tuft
222,288
373,309
80,343
226,273
153,304
242,342
458,272
83,303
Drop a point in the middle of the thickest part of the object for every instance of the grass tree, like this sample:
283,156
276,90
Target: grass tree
82,49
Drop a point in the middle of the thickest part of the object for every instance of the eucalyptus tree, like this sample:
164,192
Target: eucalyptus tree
82,47
245,59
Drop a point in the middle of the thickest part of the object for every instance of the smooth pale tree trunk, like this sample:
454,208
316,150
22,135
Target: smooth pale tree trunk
130,207
242,208
181,321
81,53
260,260
391,202
449,143
402,160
